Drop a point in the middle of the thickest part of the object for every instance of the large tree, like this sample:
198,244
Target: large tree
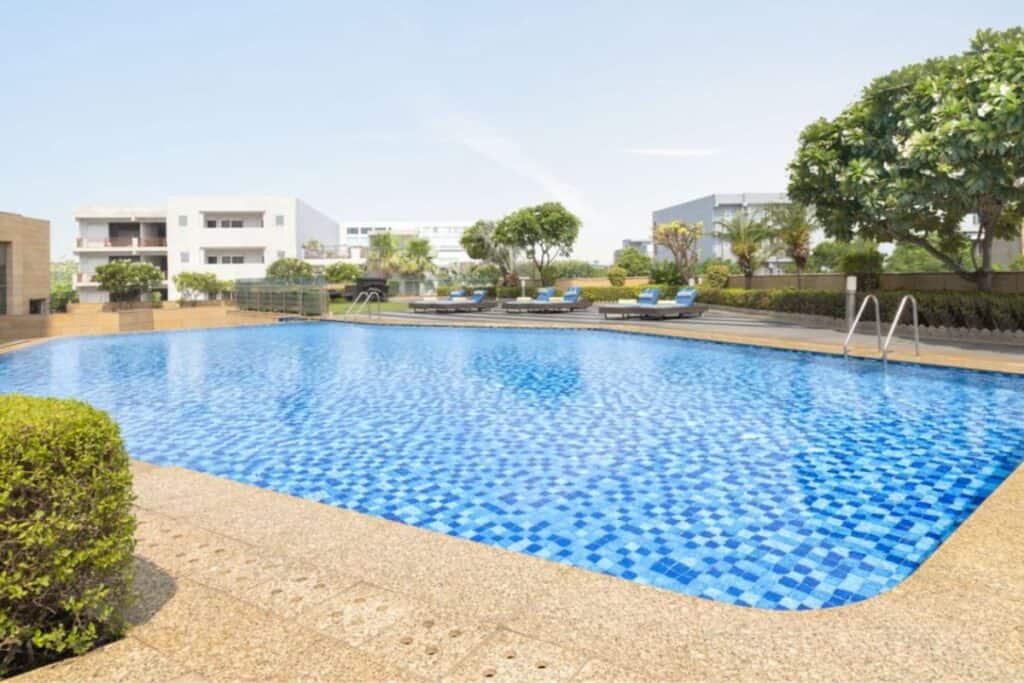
924,147
479,242
681,238
544,232
380,256
751,240
793,229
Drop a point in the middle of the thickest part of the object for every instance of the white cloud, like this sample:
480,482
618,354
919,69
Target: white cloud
678,152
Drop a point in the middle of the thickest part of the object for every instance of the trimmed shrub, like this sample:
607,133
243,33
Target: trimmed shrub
866,263
977,310
617,276
716,275
66,530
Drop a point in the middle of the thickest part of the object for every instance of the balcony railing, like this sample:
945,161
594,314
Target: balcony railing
329,251
120,242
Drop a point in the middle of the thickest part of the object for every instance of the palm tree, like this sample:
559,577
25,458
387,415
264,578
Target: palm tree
750,238
381,254
793,229
416,259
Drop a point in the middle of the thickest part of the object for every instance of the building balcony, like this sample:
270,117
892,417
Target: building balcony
119,243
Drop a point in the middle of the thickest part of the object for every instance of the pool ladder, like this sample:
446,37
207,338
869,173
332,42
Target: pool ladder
883,349
363,300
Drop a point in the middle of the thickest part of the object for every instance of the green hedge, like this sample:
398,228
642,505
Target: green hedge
66,530
977,310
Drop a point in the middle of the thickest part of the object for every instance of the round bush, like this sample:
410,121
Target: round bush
66,530
617,276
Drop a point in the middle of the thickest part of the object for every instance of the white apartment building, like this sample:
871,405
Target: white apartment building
233,237
443,236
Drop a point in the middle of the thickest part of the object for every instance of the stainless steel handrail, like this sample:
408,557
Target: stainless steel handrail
896,321
853,327
363,299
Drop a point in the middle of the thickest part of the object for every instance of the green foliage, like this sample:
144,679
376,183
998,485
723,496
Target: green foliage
793,228
681,238
717,261
380,256
313,248
865,262
925,146
342,272
978,310
485,272
750,239
66,530
716,276
617,276
634,261
191,284
60,296
544,232
289,270
128,280
1017,263
415,259
480,243
62,273
667,272
827,255
573,268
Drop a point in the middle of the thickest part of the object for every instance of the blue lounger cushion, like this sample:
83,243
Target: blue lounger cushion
649,296
686,297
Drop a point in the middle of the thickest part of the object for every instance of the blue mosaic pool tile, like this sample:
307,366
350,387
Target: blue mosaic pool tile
762,478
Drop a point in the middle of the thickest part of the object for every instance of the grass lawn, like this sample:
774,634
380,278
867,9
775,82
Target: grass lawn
386,306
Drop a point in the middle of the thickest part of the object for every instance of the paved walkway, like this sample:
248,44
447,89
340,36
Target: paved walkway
748,328
243,584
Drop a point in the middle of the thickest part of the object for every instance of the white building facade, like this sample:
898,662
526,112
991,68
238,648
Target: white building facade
444,238
233,237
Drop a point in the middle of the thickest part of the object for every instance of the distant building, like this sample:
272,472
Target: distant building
24,264
232,237
717,208
645,247
444,237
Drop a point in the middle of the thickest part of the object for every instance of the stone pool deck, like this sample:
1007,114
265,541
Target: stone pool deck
244,584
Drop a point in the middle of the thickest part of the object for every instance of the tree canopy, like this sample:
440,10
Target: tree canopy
793,229
190,284
750,239
415,259
128,280
681,238
544,232
290,269
924,147
342,272
480,243
634,261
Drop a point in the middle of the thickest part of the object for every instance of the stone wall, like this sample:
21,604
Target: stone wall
90,320
28,269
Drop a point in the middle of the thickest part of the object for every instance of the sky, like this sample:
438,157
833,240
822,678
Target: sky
437,110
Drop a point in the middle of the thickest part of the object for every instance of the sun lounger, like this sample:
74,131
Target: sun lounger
546,302
477,302
648,306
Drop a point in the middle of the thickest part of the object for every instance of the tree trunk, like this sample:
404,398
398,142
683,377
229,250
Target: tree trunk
799,277
988,215
748,280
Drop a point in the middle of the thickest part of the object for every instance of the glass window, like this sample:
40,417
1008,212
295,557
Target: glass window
366,231
279,220
184,257
236,224
212,260
225,223
182,221
211,224
352,231
238,259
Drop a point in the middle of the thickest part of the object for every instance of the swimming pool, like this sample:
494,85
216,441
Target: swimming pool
757,477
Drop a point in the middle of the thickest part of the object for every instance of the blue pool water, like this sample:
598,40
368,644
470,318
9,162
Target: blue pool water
750,476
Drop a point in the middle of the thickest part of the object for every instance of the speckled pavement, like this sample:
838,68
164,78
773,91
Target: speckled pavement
244,584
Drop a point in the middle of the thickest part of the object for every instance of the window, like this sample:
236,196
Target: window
279,220
182,221
212,260
211,223
352,231
184,257
366,231
236,223
238,259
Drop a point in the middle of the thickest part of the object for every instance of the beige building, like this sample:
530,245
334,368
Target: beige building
24,265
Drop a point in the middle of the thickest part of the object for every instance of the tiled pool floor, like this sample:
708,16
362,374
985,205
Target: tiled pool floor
749,476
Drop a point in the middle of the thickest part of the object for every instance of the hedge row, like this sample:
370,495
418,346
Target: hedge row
66,530
978,310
